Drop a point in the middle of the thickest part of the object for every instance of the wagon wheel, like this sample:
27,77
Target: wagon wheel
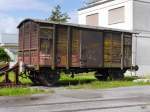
49,78
101,75
33,76
116,75
34,80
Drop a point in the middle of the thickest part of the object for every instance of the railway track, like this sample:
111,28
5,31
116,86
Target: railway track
105,108
81,105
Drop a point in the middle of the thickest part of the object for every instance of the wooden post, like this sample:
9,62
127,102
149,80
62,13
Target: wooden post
23,41
38,47
54,47
68,47
122,51
16,75
6,78
30,27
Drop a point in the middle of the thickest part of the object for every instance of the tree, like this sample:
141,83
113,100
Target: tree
58,16
4,56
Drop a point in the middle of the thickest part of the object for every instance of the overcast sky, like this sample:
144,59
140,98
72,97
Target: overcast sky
13,11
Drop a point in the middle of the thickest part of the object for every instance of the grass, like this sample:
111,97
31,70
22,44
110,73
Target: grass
21,79
88,81
20,91
108,84
66,80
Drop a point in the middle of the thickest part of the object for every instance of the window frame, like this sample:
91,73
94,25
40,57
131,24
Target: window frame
118,21
97,19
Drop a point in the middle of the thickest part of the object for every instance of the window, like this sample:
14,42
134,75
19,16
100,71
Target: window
116,15
92,19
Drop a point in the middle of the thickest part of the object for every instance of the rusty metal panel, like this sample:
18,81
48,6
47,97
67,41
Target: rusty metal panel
61,46
91,48
20,38
54,47
26,57
34,38
27,35
34,55
127,50
20,53
112,49
28,43
46,42
116,49
75,48
107,49
69,42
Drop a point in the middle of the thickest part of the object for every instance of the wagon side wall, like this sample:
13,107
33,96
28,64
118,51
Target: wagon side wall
117,50
28,43
65,46
127,50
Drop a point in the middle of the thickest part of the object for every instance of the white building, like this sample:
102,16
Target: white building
10,43
123,14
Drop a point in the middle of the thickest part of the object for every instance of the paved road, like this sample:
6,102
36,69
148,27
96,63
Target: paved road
129,99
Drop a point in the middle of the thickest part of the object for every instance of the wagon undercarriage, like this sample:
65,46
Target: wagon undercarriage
48,77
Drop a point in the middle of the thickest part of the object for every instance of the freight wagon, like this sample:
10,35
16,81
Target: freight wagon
46,49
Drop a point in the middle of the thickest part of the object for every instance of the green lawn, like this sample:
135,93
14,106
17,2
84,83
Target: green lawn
108,84
88,81
21,79
84,78
21,91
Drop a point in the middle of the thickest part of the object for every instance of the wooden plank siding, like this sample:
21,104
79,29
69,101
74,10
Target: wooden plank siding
75,47
61,46
68,46
112,49
28,42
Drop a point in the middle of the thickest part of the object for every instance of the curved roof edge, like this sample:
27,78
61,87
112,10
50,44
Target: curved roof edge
34,20
75,25
25,20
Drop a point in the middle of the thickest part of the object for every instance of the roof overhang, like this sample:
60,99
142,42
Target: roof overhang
93,4
76,25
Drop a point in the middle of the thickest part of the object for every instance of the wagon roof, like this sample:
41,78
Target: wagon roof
76,25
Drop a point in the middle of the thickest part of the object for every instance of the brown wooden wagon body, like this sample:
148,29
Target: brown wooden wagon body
74,48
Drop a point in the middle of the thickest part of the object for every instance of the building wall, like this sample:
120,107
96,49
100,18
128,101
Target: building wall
137,18
141,24
141,15
103,10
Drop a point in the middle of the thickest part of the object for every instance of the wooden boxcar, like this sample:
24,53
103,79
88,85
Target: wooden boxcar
46,49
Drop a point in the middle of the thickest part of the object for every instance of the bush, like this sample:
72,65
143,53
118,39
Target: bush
4,56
